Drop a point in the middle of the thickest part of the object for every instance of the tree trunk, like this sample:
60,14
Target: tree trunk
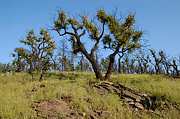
39,65
94,63
31,67
55,65
119,66
81,61
40,79
96,69
110,68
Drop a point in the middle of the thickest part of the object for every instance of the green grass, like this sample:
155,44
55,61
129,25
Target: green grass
155,85
16,95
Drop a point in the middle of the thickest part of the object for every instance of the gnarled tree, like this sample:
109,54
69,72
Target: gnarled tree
120,38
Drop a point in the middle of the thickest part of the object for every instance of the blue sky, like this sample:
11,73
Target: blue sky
159,17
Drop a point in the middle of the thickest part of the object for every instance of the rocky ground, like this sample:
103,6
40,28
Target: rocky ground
55,108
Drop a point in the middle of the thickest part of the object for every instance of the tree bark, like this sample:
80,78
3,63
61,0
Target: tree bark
110,68
94,63
39,65
119,66
31,67
81,61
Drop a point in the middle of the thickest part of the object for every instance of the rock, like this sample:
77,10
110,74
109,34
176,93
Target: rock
110,88
83,114
105,114
100,89
144,95
136,109
130,103
116,85
128,100
107,82
147,103
132,96
124,87
93,115
138,105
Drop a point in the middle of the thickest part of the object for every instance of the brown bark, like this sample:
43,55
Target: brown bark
110,68
31,67
39,64
94,63
119,66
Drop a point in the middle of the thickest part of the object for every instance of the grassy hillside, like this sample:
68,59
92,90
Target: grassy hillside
18,92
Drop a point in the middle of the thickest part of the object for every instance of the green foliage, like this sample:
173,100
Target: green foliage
124,34
92,29
36,55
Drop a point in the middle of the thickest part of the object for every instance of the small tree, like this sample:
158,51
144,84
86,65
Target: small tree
39,49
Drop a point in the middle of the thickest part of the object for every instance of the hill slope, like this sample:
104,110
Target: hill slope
22,97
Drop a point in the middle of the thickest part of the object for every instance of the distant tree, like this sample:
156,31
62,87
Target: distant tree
120,36
20,60
132,66
5,68
82,63
98,54
166,62
54,61
70,65
142,62
157,62
119,62
104,64
87,66
175,68
39,49
63,48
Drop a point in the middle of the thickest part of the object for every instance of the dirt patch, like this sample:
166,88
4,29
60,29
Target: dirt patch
53,108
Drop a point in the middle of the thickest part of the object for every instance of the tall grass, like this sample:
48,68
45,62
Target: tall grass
16,95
